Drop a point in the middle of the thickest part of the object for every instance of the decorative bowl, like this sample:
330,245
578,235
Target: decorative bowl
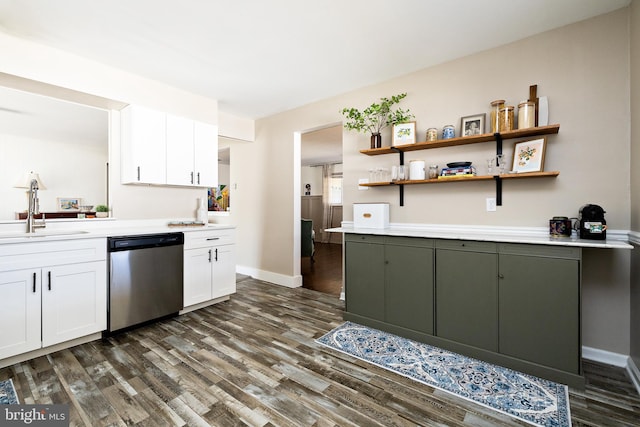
86,208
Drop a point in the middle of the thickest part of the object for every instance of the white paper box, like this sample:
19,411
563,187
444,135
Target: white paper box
371,215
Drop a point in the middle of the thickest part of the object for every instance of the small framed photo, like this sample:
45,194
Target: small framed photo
472,125
528,156
404,133
69,204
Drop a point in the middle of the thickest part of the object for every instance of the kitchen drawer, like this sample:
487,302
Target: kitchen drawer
549,251
467,245
363,238
206,238
44,254
416,242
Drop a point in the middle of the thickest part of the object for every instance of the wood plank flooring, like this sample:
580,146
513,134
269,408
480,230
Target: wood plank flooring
253,361
325,274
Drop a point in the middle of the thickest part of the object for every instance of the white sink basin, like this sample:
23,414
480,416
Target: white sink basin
40,233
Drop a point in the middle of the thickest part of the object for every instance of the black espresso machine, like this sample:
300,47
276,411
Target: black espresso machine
592,223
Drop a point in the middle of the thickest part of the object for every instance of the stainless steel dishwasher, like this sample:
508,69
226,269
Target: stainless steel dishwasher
145,278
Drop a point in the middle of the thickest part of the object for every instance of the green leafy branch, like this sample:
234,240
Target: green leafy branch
377,116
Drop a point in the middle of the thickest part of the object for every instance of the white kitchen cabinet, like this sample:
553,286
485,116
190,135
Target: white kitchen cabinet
162,149
51,292
19,312
205,143
192,153
209,265
143,146
74,301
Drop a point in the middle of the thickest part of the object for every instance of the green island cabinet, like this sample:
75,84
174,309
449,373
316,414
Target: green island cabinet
515,305
390,280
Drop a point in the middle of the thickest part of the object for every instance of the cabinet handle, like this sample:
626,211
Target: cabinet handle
209,255
462,245
216,254
192,177
501,276
198,177
49,276
138,173
213,238
34,282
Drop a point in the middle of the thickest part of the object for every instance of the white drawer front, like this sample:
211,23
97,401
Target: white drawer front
205,238
42,254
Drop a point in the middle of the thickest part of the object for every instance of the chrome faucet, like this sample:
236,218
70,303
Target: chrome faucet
34,208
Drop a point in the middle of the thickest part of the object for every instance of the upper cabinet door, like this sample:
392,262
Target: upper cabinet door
206,154
144,154
180,152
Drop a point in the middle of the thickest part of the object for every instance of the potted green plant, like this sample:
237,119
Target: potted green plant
376,117
102,211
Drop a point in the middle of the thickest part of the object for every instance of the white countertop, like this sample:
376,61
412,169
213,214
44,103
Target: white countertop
490,234
93,228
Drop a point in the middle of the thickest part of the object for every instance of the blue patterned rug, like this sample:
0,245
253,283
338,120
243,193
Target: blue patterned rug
531,399
8,394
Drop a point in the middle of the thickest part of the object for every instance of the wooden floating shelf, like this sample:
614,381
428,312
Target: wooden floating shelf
464,140
465,179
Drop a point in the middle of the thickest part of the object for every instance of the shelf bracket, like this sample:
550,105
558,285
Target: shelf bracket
498,190
498,138
401,186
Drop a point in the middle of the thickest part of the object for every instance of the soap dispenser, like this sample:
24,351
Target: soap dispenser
201,214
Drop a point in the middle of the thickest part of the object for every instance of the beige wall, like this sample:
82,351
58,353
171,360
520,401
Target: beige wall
635,179
582,68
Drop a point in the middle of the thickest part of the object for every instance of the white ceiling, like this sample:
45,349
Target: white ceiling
261,57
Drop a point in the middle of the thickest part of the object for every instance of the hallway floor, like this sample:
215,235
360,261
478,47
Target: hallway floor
325,274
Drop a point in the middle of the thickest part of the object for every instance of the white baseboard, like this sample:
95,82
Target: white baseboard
614,359
271,277
604,356
634,373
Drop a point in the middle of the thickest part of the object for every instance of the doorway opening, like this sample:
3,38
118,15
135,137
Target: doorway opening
321,204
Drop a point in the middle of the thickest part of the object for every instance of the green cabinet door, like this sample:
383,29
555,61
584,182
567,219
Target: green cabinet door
467,297
409,284
364,276
540,310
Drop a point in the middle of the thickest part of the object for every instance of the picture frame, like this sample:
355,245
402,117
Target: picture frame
473,125
69,204
404,133
528,156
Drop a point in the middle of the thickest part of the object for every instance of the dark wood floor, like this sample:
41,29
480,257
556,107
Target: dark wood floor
253,361
325,274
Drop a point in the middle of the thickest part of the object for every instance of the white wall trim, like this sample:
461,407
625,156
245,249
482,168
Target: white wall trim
268,276
634,373
604,356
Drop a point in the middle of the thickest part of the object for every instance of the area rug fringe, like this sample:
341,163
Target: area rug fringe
531,399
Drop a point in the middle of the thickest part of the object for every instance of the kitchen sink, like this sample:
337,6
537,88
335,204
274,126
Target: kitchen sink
40,233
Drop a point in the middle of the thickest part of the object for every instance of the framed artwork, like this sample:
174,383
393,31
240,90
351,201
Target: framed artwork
472,125
404,133
528,156
69,204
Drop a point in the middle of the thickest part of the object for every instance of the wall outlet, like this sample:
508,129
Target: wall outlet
491,204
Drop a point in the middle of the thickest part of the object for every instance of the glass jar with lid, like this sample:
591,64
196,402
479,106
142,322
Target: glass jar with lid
505,119
496,106
526,114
